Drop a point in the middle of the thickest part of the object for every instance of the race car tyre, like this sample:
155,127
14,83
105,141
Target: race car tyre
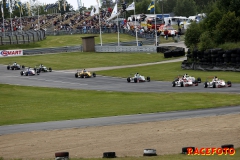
196,83
214,85
199,80
181,84
76,75
149,152
26,74
135,80
12,68
148,79
128,79
8,67
21,73
185,149
227,146
23,66
205,85
94,74
62,154
50,69
109,155
82,76
173,84
229,83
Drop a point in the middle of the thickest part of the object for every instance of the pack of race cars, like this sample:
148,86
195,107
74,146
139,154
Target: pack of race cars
180,81
29,71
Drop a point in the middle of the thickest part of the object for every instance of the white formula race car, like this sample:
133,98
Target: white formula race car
29,72
138,78
217,83
186,81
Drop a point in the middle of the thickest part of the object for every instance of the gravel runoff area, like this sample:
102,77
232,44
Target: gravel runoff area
167,137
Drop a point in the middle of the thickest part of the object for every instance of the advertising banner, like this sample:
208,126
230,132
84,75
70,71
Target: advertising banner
10,53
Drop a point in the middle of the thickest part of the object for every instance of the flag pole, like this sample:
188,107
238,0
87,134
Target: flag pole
3,29
100,26
118,29
155,24
135,24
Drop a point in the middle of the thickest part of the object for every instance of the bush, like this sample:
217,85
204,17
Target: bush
206,41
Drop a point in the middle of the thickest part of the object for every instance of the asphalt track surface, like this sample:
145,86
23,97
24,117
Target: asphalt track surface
66,79
61,79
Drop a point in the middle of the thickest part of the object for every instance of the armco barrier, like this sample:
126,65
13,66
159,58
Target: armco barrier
151,49
52,50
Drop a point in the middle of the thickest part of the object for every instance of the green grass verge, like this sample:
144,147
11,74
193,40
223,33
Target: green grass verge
168,71
20,104
75,60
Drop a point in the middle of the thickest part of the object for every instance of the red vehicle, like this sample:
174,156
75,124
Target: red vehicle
151,23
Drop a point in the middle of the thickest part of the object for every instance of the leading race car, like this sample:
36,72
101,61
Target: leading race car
186,81
15,66
84,74
29,72
138,78
217,83
43,68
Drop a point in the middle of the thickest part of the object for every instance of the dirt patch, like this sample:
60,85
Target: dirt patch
126,140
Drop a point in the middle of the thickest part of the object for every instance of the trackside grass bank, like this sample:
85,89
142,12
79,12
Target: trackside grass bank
84,60
20,104
169,71
69,40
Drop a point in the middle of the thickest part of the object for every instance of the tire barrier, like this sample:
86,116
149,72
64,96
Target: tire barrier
171,51
149,152
227,146
185,149
62,156
109,155
215,59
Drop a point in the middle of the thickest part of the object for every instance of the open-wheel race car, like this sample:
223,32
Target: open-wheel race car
42,68
186,81
15,66
138,78
217,83
84,74
29,72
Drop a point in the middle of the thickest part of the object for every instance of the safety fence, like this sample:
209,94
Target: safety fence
52,50
21,37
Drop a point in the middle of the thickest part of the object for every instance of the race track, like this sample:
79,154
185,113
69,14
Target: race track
61,79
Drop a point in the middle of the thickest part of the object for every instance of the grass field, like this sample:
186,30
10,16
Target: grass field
20,104
84,60
169,71
76,39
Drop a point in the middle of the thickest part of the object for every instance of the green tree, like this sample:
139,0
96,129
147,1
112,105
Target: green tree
212,19
229,5
227,29
206,41
192,35
185,8
168,5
